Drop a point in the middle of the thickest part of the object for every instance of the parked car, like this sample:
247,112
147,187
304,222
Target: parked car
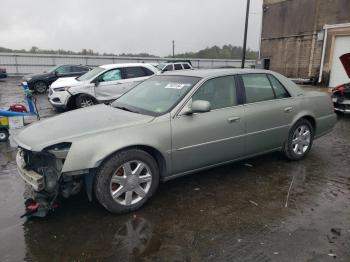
40,82
100,85
341,94
168,126
163,67
3,73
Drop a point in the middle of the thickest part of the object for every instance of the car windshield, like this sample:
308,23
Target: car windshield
51,70
91,74
157,95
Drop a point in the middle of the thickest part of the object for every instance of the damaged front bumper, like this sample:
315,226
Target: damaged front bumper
34,179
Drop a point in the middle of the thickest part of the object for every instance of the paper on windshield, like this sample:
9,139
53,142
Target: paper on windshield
175,85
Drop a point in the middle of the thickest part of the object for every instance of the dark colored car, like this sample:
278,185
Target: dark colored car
341,94
40,82
3,73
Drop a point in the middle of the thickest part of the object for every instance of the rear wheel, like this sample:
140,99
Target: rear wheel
126,181
4,135
84,101
299,141
40,87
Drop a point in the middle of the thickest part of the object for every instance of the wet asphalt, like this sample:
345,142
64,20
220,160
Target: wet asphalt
237,212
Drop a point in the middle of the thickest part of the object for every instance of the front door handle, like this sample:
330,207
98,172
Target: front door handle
288,109
233,119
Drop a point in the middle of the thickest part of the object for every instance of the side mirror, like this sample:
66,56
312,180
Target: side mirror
198,106
96,81
56,74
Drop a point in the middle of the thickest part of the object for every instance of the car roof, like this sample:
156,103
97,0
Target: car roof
111,66
204,73
71,65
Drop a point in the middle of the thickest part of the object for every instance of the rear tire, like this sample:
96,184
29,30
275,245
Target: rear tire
83,100
299,140
126,181
40,87
4,135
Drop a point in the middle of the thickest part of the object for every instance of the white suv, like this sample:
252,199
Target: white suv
102,84
174,66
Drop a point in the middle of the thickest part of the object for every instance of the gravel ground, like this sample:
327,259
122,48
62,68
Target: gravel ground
237,212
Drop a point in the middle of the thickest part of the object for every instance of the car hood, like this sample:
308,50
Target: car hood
40,75
345,60
66,82
70,126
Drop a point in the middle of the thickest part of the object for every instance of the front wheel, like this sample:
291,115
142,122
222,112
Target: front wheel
299,141
84,101
4,135
126,181
40,87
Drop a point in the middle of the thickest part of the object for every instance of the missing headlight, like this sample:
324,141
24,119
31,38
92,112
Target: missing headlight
60,150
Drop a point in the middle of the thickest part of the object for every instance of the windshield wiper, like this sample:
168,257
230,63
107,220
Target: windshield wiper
126,109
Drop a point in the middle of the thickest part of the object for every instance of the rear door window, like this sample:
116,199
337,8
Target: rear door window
133,72
257,88
78,69
63,69
147,71
178,67
186,66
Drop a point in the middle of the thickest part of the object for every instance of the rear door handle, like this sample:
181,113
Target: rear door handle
288,109
233,119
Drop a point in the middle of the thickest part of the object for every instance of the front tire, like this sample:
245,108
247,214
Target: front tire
299,140
4,135
40,87
126,181
84,101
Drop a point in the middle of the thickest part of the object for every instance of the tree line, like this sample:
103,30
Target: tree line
214,52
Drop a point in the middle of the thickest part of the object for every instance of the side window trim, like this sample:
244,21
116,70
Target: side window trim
273,90
285,89
239,90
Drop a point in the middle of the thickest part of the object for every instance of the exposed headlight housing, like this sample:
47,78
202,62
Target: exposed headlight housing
60,150
59,89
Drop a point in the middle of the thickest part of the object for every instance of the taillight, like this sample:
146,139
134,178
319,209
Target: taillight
340,88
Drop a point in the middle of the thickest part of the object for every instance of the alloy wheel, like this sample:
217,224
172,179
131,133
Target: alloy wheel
131,182
85,102
40,87
2,136
301,139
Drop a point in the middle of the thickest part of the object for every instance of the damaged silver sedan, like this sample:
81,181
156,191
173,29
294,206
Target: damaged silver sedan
168,126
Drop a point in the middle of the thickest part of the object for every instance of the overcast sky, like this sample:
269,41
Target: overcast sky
133,26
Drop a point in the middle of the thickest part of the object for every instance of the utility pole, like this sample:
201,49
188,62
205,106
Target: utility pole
173,48
245,33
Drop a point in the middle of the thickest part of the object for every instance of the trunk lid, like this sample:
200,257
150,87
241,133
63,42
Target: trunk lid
345,60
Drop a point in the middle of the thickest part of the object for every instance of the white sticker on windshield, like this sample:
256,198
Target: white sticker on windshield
175,85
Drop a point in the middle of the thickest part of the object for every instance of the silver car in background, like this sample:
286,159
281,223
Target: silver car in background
168,126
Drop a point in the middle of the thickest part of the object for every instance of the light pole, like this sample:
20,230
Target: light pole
173,48
245,33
